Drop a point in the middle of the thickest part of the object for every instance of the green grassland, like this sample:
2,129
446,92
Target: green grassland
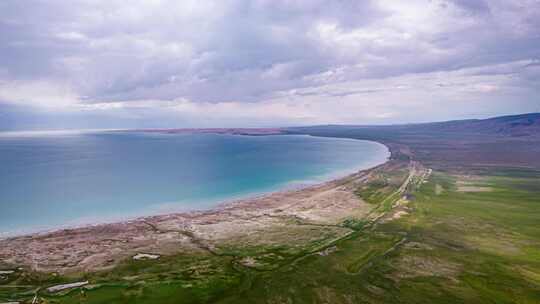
382,184
455,247
476,246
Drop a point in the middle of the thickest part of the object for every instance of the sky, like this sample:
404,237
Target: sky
264,63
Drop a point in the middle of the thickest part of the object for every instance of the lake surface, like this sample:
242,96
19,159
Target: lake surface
66,179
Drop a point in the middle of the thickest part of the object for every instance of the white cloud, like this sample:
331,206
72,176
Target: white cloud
73,36
38,93
389,100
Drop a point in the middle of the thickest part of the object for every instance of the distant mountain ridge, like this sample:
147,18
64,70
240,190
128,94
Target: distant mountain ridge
512,125
505,141
527,125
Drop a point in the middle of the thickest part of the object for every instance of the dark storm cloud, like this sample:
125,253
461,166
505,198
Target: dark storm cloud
473,6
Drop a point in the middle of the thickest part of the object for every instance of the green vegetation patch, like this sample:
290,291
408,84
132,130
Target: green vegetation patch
453,248
381,185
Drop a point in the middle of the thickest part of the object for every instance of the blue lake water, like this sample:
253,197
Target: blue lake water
55,180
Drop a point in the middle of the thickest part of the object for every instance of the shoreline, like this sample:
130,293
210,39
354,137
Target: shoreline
218,204
250,222
256,222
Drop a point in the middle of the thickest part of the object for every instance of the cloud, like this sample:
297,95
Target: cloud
111,58
473,6
40,93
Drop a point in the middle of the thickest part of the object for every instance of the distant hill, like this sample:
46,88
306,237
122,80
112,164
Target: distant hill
503,126
510,141
514,125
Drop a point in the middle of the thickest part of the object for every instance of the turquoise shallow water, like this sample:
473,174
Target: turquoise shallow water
55,180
